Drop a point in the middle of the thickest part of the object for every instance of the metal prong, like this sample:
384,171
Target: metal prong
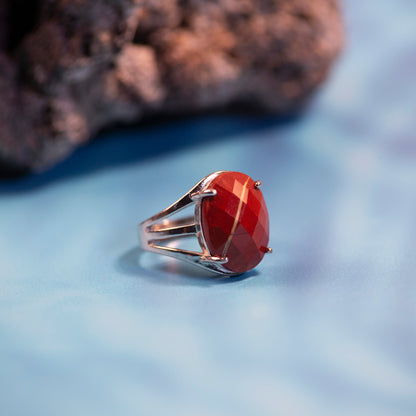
216,259
197,196
269,250
257,184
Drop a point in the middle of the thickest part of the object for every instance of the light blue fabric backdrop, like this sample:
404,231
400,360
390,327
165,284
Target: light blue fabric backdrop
325,325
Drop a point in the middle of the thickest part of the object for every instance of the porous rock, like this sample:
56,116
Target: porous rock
73,67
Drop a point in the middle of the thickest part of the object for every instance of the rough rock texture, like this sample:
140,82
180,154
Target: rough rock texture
72,67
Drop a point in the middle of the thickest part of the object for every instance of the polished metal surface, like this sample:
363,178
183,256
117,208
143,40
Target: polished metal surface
158,231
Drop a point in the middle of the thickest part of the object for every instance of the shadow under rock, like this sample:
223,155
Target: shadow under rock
172,272
124,145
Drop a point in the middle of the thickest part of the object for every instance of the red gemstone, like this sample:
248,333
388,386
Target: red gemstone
235,223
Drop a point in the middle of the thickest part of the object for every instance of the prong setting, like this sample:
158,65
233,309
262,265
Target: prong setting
206,193
218,260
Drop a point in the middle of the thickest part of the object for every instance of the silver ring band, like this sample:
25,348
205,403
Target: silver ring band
158,231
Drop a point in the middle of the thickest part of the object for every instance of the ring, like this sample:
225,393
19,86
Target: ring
230,222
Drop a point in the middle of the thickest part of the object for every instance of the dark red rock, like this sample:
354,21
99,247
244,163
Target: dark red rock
69,68
235,223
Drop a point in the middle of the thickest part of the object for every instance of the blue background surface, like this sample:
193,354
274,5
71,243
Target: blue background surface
325,325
